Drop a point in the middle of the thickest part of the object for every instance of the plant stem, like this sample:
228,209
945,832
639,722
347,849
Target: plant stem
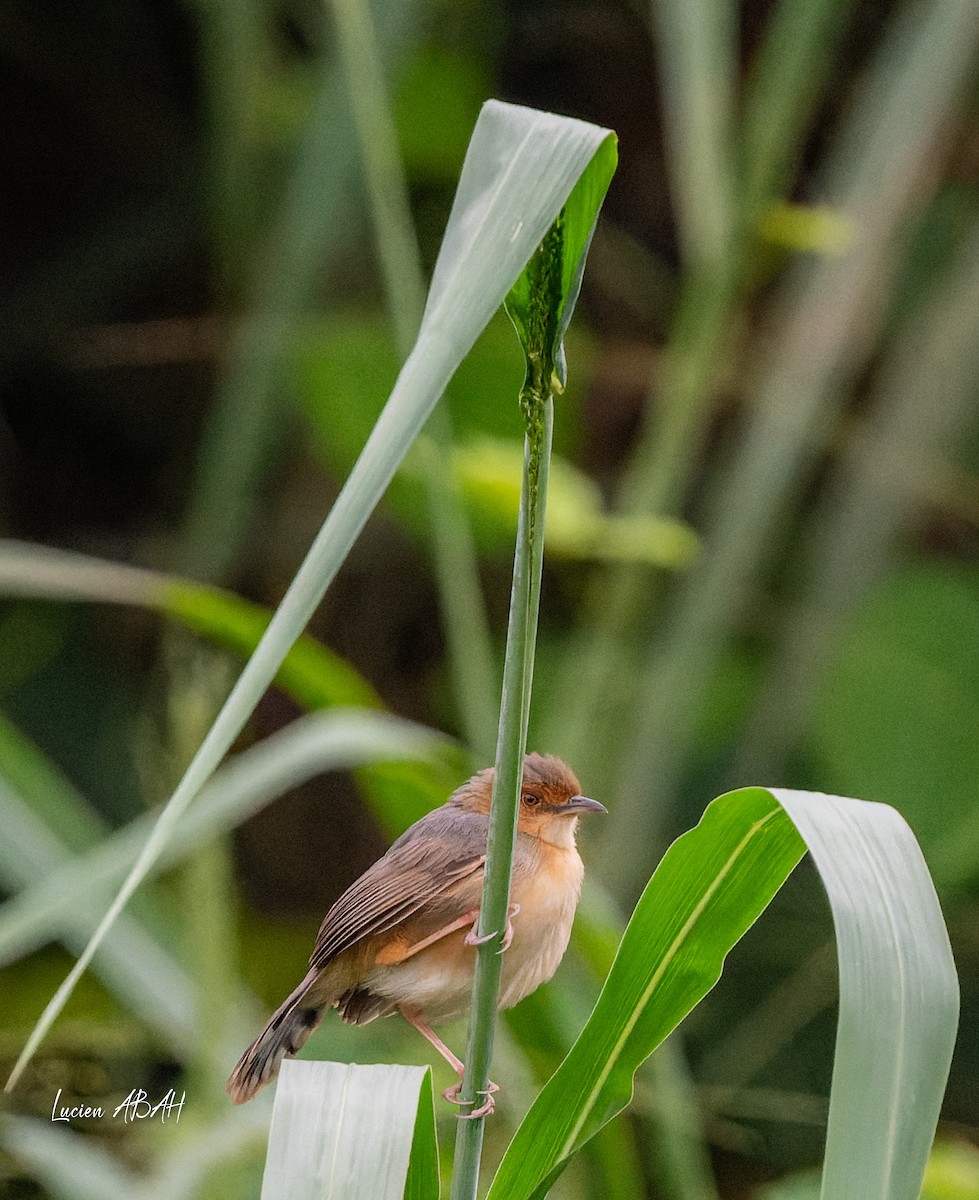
538,329
517,679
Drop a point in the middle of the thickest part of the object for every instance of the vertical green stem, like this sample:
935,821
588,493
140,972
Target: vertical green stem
537,324
517,679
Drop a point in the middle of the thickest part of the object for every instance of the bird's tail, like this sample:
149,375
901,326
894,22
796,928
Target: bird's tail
290,1026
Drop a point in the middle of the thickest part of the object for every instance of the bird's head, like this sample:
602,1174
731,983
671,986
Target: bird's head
550,798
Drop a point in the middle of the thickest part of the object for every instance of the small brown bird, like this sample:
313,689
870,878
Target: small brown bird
402,938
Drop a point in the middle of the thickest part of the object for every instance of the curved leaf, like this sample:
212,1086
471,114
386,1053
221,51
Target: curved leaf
347,1132
899,996
322,741
519,171
898,989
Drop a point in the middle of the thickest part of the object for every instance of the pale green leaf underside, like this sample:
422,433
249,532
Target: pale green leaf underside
64,895
899,996
519,170
898,989
347,1132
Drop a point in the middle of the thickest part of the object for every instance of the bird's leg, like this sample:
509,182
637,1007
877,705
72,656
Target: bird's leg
469,918
473,940
452,1093
396,953
429,1033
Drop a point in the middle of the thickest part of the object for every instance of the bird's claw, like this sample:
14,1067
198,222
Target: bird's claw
508,932
488,1106
452,1095
473,939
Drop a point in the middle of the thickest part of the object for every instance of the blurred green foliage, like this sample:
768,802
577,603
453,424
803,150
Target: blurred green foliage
186,223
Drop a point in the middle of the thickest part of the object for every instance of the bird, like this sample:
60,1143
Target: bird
404,936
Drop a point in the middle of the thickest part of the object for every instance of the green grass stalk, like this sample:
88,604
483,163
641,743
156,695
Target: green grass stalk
517,679
536,401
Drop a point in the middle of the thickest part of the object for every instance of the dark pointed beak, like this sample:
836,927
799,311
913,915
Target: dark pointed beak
581,804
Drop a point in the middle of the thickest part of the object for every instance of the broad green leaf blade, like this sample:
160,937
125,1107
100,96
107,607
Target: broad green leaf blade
899,996
898,990
711,885
952,1174
347,1132
424,1182
319,742
311,673
519,170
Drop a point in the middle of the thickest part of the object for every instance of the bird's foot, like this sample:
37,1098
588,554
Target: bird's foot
452,1095
488,1106
508,932
473,939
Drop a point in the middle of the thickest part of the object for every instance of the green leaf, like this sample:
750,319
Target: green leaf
899,997
577,220
711,885
898,990
519,171
318,742
311,673
347,1132
952,1174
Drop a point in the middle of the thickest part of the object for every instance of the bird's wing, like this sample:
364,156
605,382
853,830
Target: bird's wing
434,871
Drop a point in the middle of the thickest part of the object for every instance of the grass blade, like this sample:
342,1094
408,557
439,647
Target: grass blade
347,1132
318,742
898,990
451,545
899,996
520,169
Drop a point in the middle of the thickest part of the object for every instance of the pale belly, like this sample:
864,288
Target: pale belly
437,982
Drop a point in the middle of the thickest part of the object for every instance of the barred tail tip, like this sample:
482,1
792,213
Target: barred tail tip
284,1035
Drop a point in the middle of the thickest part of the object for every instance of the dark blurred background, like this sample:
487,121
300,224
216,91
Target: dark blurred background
768,570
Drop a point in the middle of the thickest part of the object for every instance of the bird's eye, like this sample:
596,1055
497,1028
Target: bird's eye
530,799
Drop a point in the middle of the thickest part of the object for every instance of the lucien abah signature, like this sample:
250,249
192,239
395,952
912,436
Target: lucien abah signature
136,1107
